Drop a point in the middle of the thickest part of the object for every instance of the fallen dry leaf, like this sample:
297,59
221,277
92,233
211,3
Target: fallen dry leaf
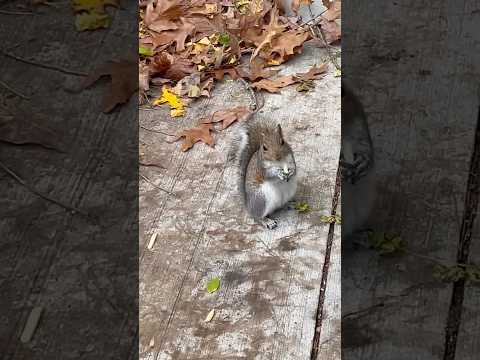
220,73
313,73
31,324
257,71
124,82
226,117
196,134
177,36
286,45
331,30
334,11
275,85
273,29
176,104
184,86
210,315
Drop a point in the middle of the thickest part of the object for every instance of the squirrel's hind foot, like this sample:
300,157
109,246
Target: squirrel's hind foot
270,224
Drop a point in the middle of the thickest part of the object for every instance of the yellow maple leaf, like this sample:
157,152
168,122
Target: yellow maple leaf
273,62
204,41
198,48
211,8
177,112
91,14
176,104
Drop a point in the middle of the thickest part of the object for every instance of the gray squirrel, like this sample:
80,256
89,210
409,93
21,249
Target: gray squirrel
357,166
267,170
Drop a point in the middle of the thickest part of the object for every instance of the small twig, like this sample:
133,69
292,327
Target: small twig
156,131
8,87
322,37
313,20
151,165
8,12
38,193
45,66
155,185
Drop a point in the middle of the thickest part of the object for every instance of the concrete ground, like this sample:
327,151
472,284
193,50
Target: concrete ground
279,294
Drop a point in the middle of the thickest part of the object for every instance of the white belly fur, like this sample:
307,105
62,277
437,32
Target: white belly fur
278,193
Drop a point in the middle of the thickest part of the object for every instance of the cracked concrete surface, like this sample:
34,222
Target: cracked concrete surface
270,280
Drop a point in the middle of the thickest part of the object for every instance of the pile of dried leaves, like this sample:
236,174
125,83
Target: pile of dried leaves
187,45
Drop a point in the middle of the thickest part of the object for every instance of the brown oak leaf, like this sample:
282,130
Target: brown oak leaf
163,12
196,134
257,71
272,30
313,73
124,82
334,11
227,117
287,45
274,85
220,73
177,36
331,30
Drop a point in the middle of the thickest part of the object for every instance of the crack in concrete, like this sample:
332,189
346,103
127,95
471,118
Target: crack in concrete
326,265
472,200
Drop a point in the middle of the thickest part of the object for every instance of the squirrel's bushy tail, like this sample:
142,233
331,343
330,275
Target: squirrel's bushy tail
244,147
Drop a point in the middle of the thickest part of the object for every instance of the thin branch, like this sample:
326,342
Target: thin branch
38,193
45,66
155,185
316,35
8,87
8,12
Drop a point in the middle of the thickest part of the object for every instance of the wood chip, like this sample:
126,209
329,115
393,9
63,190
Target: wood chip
152,241
152,342
31,324
210,315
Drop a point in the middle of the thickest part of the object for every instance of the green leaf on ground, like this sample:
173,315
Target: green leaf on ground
301,207
386,244
224,39
331,219
469,273
213,285
145,51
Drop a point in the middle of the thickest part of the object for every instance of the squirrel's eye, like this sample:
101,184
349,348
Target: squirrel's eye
264,148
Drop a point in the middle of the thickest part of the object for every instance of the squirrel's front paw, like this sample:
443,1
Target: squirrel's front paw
352,172
270,224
